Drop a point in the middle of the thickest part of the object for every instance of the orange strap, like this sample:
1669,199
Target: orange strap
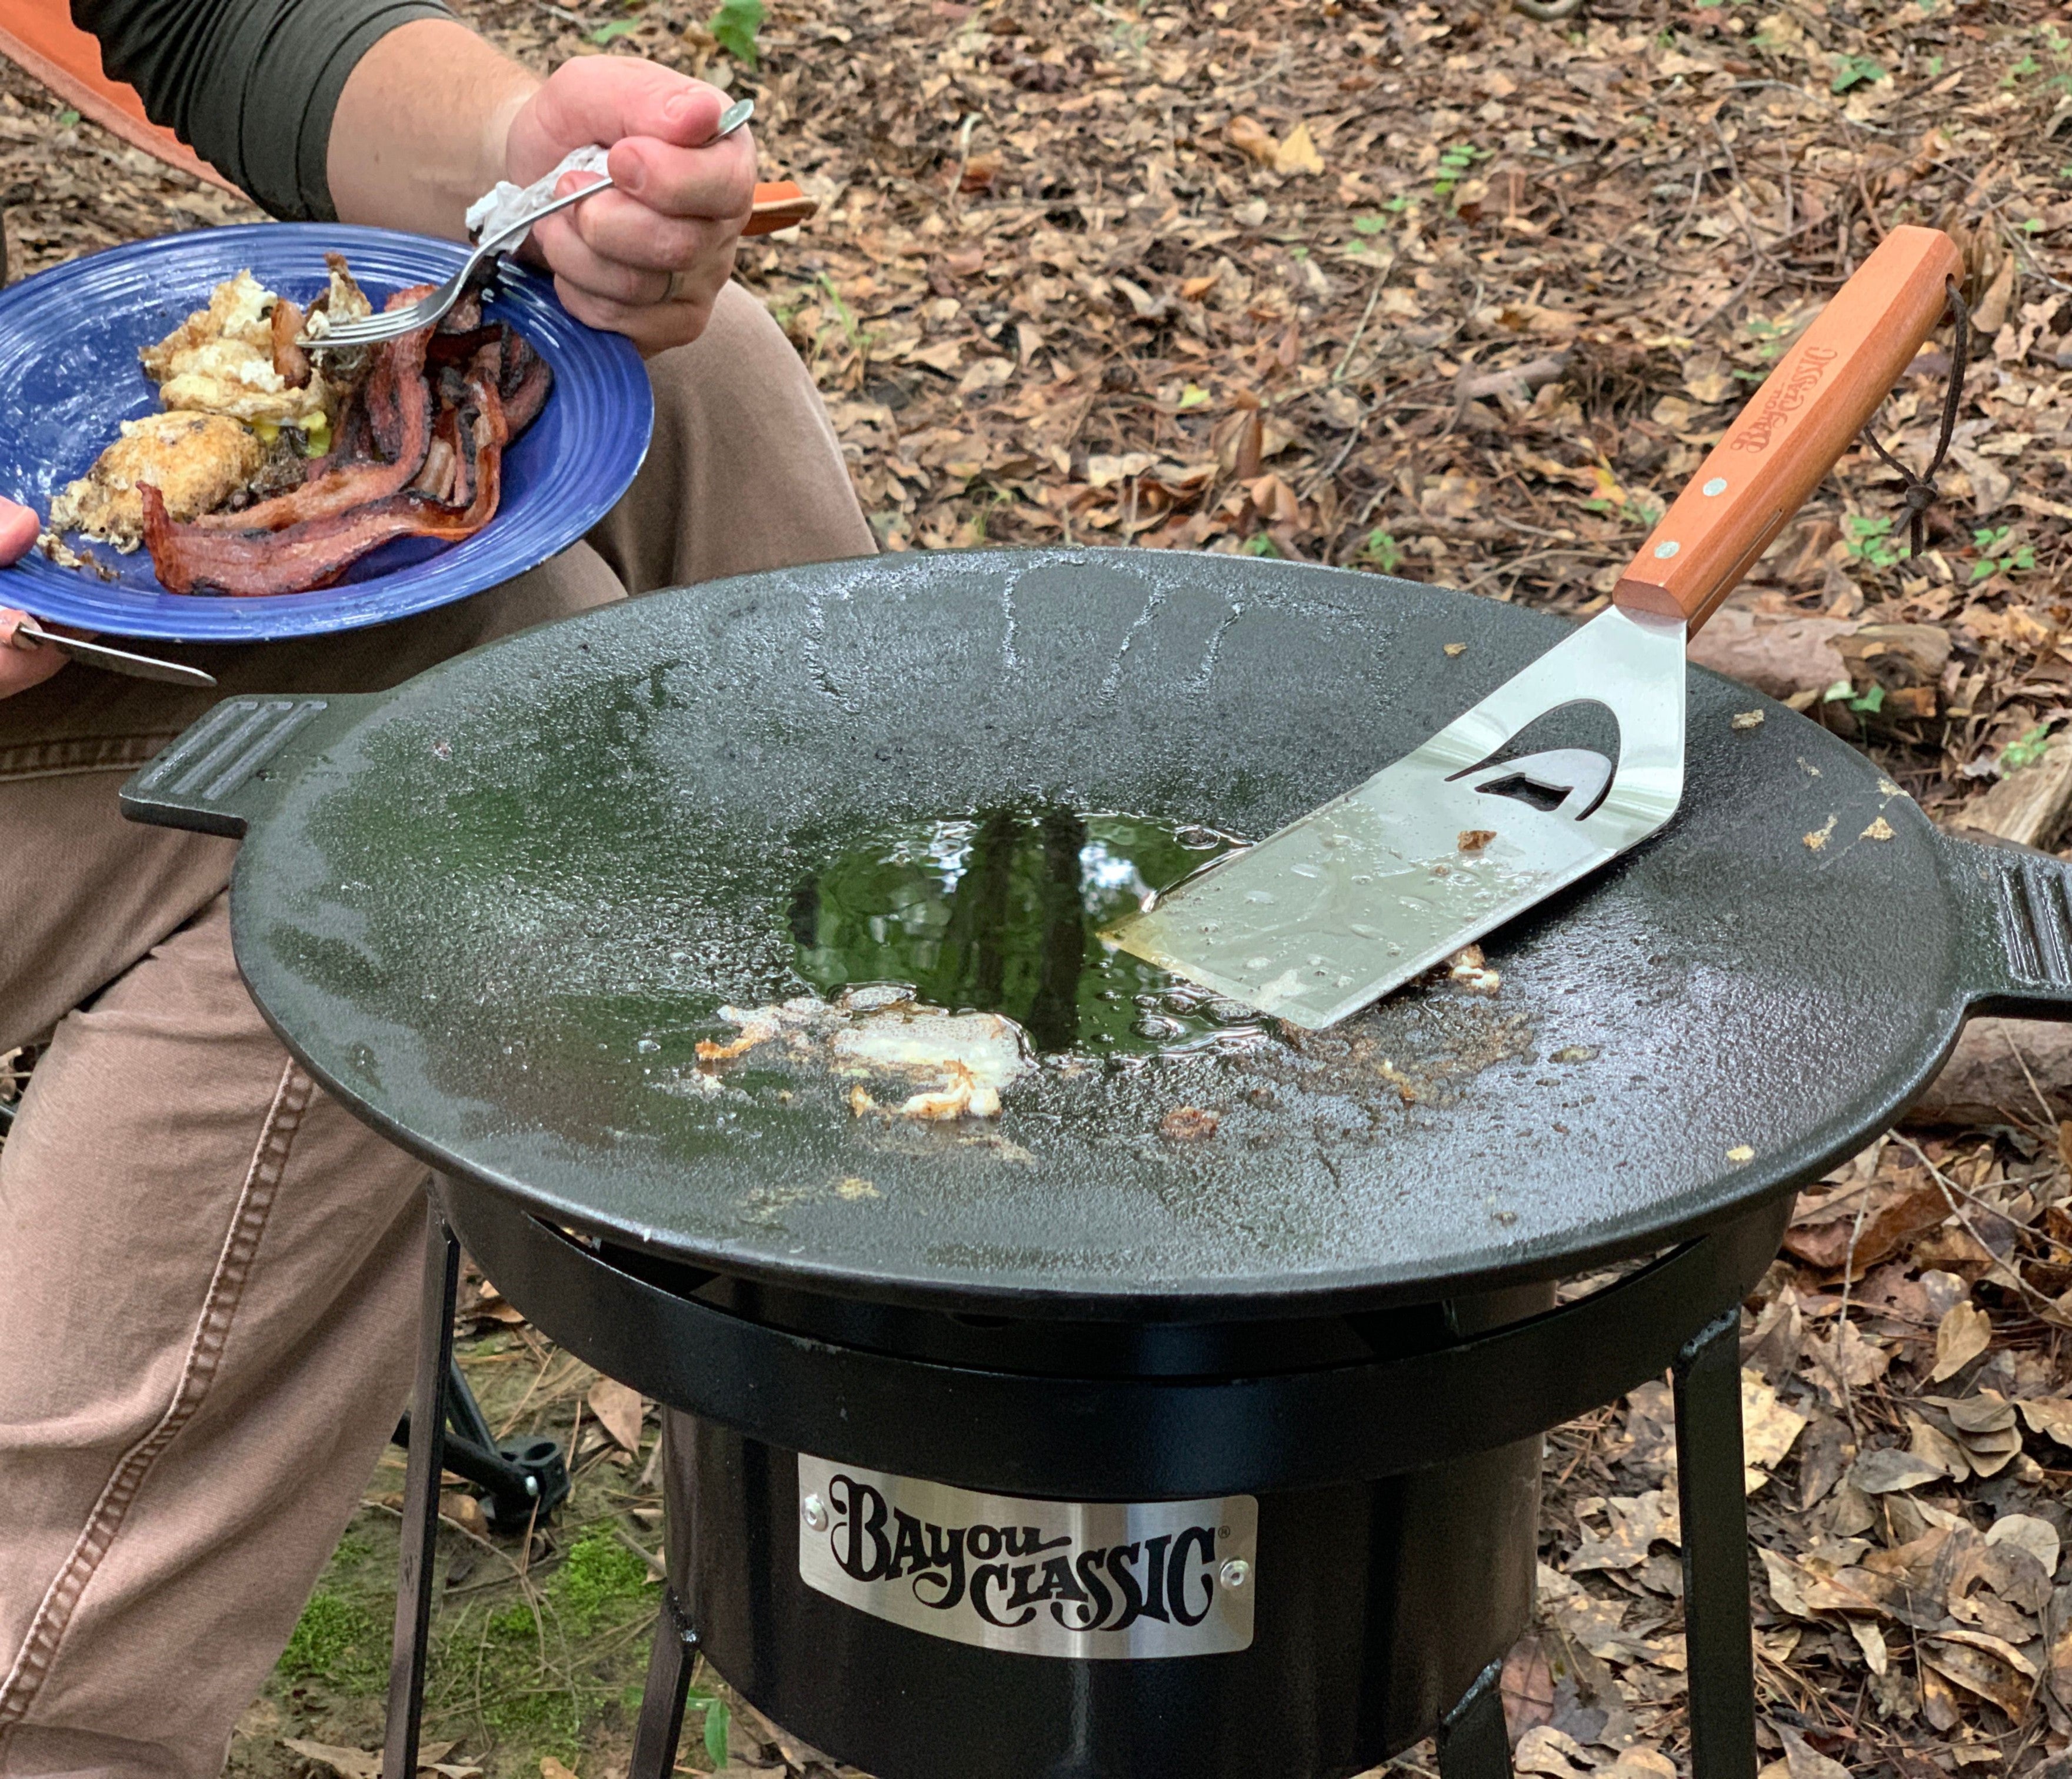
40,38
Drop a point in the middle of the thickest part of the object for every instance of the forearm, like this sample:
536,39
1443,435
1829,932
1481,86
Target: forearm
420,127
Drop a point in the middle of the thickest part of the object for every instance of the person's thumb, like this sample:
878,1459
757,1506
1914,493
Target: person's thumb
606,98
19,530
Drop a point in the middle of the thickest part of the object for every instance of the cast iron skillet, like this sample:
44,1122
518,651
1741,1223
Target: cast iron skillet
493,910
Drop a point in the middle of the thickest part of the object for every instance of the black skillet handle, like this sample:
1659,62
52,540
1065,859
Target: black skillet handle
228,769
2016,905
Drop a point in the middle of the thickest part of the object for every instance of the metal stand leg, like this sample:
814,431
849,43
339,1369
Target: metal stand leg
1717,1632
1472,1744
661,1724
420,1497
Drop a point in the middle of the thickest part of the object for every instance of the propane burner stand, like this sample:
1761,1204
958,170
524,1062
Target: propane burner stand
1052,1445
1353,1542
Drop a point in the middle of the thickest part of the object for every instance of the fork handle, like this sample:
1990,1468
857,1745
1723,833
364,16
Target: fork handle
519,224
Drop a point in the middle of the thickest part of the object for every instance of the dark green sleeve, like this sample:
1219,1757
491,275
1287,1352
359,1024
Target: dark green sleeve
249,85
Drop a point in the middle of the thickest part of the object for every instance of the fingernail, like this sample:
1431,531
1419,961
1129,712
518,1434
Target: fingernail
635,177
679,107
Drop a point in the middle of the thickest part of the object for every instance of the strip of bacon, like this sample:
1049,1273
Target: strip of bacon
524,382
289,360
313,553
398,405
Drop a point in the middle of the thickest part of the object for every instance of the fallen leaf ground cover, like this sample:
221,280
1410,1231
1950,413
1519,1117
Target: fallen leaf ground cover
1438,291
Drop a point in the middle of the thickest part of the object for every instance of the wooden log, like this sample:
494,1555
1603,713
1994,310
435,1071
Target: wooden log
2006,1071
1984,1081
2030,804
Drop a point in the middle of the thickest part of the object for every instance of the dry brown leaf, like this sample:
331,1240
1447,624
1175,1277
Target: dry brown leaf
1804,1761
2049,1416
1787,1582
552,1769
1893,1213
2058,1670
1990,1667
1939,1700
1991,314
1850,1358
465,1511
1960,1337
1637,1522
1884,1472
1639,1763
620,1411
1933,1446
2038,1537
1298,153
1249,137
1547,1751
1528,1683
1768,1428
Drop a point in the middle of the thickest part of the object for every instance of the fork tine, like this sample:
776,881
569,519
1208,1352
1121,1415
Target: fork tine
376,329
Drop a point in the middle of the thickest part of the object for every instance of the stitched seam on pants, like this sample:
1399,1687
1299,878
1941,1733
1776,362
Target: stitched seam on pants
88,754
226,1287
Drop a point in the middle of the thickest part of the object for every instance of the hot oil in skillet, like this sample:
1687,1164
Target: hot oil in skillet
1001,912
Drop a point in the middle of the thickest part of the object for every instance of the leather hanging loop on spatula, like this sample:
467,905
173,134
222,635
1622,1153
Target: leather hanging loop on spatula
1918,492
1459,836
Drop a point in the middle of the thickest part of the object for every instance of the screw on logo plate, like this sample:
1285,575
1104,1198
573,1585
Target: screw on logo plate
816,1511
1234,1573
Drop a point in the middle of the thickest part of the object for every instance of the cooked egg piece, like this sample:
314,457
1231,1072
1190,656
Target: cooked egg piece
196,461
219,360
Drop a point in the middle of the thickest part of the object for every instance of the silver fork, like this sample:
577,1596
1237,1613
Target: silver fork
429,310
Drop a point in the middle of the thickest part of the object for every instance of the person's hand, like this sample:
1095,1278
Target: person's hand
22,663
648,258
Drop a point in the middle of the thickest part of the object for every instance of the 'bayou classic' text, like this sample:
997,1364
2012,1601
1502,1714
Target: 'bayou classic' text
1009,1573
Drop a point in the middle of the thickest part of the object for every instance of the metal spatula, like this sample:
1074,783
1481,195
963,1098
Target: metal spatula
1455,839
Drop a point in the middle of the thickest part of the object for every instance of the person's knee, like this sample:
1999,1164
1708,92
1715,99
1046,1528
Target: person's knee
741,364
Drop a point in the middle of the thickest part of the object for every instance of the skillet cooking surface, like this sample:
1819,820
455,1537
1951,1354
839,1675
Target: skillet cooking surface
501,905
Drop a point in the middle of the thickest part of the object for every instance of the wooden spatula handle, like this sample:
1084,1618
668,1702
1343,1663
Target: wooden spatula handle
1790,435
781,205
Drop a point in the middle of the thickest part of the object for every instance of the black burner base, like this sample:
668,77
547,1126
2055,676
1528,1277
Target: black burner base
1378,1605
1383,1490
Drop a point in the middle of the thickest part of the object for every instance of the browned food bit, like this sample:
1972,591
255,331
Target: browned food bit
1189,1124
291,364
1471,970
1473,840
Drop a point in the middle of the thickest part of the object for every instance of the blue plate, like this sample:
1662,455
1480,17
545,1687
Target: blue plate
69,376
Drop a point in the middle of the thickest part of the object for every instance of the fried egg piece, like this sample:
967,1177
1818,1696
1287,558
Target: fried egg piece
957,1062
196,461
219,360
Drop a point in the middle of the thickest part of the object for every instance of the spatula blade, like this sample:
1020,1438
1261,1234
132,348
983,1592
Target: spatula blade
1380,884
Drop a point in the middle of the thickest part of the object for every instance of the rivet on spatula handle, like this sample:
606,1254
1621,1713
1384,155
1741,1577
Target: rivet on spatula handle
1798,424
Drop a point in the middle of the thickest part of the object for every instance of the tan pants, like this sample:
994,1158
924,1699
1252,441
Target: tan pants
207,1269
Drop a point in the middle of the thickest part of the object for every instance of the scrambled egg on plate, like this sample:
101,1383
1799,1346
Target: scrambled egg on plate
219,360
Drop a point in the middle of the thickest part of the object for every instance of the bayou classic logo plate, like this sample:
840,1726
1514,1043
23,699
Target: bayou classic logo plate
1080,1580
